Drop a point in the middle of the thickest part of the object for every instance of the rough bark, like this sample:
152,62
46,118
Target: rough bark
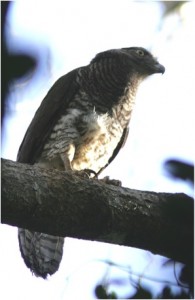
61,203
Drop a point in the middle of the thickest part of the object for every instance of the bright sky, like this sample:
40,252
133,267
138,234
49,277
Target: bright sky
161,127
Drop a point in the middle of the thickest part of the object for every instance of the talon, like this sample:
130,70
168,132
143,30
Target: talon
86,173
89,172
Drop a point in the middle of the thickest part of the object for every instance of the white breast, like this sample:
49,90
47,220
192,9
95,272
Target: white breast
88,141
96,146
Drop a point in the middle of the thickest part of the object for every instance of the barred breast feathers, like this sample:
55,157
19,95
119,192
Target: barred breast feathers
93,124
111,88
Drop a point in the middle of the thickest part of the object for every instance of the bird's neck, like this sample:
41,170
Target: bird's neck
112,85
122,110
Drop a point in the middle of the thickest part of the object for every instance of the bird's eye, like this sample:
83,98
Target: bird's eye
140,52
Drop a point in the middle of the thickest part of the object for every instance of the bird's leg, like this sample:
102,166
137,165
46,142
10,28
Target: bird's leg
66,162
86,173
67,157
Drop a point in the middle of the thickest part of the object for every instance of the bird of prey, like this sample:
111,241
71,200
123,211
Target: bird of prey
82,123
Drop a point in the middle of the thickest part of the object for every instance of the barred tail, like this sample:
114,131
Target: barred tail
41,252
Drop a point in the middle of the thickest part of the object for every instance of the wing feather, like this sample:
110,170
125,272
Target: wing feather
53,105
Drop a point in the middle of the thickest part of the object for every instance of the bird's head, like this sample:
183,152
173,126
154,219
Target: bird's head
142,60
136,59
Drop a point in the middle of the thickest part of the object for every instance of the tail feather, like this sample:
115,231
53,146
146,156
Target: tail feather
41,252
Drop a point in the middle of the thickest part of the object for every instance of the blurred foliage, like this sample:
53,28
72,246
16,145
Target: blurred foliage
104,290
180,170
102,293
167,294
14,66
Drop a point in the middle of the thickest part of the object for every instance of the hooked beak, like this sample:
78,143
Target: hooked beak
159,68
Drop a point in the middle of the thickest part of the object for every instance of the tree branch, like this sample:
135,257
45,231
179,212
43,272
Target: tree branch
61,203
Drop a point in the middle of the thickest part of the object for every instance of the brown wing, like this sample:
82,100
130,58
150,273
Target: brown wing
55,103
120,144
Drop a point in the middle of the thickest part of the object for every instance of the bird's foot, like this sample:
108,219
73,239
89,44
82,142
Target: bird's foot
107,180
91,173
86,173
